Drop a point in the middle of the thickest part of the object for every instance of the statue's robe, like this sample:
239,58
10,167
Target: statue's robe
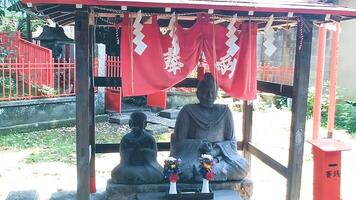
138,163
196,123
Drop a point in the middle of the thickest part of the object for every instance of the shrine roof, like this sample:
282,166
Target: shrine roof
311,8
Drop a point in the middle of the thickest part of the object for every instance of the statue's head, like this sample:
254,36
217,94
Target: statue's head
207,90
138,122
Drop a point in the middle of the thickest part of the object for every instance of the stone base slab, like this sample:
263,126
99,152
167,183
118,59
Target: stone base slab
129,192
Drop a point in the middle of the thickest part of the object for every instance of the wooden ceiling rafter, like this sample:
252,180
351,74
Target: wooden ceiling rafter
56,12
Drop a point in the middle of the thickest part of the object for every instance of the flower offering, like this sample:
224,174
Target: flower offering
171,169
206,165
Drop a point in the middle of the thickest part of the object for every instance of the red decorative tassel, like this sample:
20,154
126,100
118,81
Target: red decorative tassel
209,175
174,178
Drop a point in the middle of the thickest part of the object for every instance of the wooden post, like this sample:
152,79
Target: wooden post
299,107
319,81
28,24
247,128
82,103
92,108
333,77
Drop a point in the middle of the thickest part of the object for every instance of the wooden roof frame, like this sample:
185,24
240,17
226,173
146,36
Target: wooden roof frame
312,11
84,37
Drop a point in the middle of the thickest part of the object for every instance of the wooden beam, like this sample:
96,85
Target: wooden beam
82,103
29,30
114,148
268,160
188,82
46,8
92,109
299,107
161,146
67,21
107,81
275,88
247,110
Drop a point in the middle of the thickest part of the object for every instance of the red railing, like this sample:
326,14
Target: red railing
113,95
112,65
281,75
23,49
29,80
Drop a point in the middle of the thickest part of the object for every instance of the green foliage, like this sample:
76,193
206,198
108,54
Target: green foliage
2,14
280,101
8,24
35,23
345,114
10,85
13,17
346,117
50,145
324,104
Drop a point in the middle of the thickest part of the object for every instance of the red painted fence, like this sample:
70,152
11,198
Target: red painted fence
28,80
281,75
23,49
113,95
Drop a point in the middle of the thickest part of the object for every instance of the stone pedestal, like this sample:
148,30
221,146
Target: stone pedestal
129,192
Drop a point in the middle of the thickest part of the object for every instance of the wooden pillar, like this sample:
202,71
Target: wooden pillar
319,81
92,108
247,128
299,108
333,77
82,103
29,30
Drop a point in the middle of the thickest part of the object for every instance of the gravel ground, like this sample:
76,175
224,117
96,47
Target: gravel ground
271,134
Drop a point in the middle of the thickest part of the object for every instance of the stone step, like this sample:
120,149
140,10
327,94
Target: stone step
156,129
218,195
23,195
119,119
155,126
151,118
132,192
169,113
71,195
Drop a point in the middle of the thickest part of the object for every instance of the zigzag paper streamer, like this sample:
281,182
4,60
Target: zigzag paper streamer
226,63
270,47
138,39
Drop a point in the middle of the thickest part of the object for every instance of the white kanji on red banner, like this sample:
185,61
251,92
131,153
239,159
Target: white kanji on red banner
171,57
228,62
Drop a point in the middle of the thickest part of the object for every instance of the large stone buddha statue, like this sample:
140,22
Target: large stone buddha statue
207,128
138,151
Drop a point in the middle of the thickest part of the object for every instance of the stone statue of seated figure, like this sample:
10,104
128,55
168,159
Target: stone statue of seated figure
138,151
207,128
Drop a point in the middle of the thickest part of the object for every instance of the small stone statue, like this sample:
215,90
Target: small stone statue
138,151
207,128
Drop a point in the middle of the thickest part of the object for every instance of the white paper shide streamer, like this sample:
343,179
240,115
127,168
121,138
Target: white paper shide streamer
270,48
138,35
171,57
228,62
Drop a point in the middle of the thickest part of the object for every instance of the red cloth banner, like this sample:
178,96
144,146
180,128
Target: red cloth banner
152,62
232,58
